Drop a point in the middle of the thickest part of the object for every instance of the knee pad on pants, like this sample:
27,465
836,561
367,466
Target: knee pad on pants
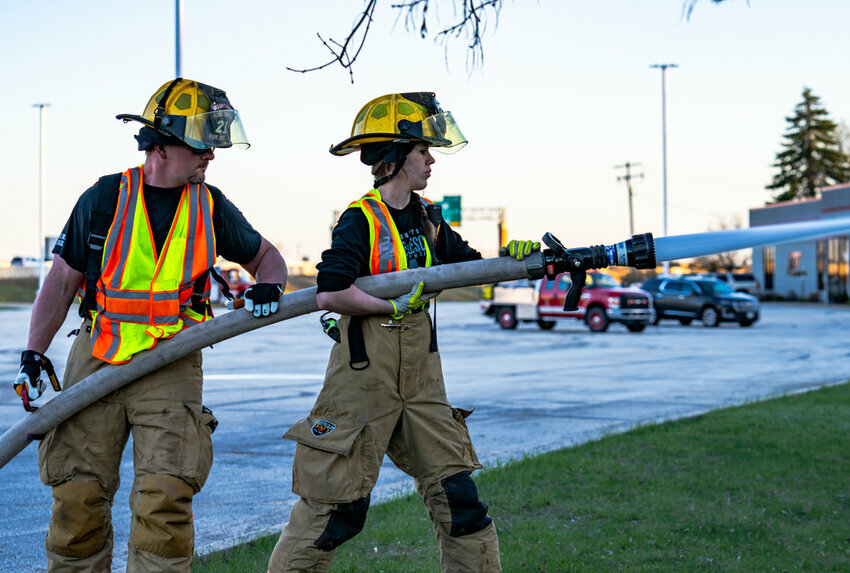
469,514
162,516
81,517
346,521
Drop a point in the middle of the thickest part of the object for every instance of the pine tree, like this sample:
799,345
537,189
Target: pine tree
812,156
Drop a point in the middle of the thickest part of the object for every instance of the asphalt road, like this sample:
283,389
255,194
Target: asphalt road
532,391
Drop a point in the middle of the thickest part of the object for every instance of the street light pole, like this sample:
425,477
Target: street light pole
42,165
663,68
178,27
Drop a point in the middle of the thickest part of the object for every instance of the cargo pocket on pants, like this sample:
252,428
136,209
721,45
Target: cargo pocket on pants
51,468
460,415
328,464
198,467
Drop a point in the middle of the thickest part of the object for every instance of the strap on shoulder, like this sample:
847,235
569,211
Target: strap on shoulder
102,212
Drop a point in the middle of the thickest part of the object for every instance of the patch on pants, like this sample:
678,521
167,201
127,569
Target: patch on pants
80,522
322,427
469,514
316,433
346,521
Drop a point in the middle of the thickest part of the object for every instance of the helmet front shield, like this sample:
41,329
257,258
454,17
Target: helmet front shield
439,130
217,128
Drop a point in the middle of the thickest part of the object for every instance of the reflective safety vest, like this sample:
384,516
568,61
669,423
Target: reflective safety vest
142,297
386,251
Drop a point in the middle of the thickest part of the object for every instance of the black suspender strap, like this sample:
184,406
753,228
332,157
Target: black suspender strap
102,212
358,359
434,347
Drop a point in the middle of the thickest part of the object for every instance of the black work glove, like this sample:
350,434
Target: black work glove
261,299
28,384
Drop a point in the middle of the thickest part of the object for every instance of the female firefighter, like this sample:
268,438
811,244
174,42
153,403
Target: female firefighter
383,391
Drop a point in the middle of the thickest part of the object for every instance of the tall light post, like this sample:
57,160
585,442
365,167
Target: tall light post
42,165
178,27
663,68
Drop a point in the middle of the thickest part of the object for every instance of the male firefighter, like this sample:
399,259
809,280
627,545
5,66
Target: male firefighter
140,247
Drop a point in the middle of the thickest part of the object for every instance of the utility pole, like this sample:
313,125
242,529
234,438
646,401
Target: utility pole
42,167
663,68
503,228
628,179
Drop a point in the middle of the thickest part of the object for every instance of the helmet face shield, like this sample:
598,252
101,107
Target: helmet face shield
219,128
440,131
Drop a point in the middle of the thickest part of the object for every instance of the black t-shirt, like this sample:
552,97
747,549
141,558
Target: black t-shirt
348,257
236,239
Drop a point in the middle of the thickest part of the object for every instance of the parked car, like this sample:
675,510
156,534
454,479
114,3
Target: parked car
740,282
709,300
25,262
603,301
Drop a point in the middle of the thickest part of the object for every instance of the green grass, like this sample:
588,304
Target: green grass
18,290
761,487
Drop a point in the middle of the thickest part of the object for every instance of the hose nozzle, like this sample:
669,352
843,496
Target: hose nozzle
637,252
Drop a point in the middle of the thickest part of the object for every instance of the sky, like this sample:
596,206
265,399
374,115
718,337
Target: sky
565,94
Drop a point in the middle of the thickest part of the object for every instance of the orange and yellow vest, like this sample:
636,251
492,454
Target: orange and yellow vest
386,251
142,296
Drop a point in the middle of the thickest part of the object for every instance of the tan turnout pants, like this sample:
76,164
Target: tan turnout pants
398,406
172,456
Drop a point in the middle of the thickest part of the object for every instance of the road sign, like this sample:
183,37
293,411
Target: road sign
451,210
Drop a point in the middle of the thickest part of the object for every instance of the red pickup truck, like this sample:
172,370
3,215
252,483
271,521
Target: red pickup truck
603,301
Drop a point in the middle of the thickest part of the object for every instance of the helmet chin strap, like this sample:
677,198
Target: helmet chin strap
398,165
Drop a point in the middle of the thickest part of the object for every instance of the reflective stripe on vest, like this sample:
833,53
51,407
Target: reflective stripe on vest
386,251
142,297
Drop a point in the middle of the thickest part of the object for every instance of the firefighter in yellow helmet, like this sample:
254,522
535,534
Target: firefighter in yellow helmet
383,391
139,248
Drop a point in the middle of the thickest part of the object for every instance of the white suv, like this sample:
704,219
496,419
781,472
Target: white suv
740,282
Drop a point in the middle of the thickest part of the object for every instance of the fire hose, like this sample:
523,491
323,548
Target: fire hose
641,251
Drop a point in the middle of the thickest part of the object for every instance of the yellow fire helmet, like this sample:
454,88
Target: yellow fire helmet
199,115
403,117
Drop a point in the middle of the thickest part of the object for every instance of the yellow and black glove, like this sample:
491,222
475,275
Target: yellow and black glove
519,249
410,302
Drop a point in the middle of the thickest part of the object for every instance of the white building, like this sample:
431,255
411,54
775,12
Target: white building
811,270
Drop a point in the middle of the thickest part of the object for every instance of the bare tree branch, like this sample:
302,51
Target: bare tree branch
410,19
343,57
471,23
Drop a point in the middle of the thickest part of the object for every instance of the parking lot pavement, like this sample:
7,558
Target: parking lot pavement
532,391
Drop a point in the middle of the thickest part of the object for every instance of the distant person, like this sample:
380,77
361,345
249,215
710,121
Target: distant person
139,246
383,391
